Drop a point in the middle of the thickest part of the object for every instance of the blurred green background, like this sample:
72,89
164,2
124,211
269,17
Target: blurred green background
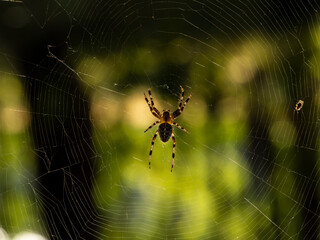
73,155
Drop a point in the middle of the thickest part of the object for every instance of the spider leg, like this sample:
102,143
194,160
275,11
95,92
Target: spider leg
185,103
177,112
155,113
152,103
173,150
157,122
152,143
182,128
181,97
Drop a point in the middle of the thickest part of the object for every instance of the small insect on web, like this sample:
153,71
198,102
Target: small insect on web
165,130
298,106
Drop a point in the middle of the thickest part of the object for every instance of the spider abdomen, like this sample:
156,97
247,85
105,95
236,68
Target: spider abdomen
165,131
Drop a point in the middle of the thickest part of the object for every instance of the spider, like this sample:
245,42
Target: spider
166,121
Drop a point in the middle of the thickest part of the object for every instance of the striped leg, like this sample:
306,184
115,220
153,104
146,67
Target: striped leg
173,150
182,128
177,112
185,103
181,97
151,109
152,103
152,125
152,143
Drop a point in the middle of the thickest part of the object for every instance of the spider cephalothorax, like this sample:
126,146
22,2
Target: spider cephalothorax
165,130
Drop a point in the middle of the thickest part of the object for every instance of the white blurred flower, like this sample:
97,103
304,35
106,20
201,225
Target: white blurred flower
3,234
28,236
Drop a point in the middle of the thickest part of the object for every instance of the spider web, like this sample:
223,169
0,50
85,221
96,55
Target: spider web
73,155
